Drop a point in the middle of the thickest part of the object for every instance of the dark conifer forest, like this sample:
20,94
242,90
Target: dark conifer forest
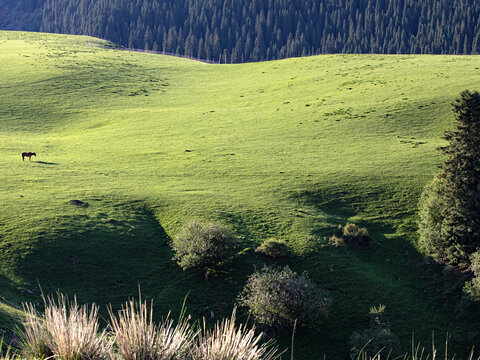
255,30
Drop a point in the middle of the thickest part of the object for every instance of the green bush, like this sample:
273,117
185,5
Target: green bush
273,247
277,298
354,234
475,263
203,245
349,234
431,239
373,342
473,287
470,302
376,340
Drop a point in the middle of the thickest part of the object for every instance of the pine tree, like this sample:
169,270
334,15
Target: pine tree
262,26
449,224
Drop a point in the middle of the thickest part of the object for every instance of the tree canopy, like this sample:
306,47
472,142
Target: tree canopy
240,31
450,208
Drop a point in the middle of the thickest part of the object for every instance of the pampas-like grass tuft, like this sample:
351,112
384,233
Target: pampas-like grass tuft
228,342
65,331
138,337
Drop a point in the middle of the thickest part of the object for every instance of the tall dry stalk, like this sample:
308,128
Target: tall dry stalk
35,338
139,338
65,331
227,342
7,355
422,355
417,353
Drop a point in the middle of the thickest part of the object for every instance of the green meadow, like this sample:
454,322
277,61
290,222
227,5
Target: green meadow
286,149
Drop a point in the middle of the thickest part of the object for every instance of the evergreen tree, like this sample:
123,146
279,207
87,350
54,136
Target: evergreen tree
450,208
266,29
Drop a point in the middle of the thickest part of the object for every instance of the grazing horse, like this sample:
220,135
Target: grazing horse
29,155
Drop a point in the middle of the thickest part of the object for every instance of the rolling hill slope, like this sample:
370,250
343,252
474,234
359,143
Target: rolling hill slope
288,148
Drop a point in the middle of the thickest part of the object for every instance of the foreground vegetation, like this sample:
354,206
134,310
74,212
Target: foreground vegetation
69,331
286,149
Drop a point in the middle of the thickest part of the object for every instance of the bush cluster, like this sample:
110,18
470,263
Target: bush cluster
273,248
278,298
349,234
203,245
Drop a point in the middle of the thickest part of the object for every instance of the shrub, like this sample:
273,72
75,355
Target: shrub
475,263
431,239
66,331
337,241
277,298
202,246
227,342
470,303
138,337
377,317
376,340
354,234
474,284
273,248
348,234
373,342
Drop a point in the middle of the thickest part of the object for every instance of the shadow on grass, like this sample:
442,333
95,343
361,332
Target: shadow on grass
420,296
105,258
9,309
45,163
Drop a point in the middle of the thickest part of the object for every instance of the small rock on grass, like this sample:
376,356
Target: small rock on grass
78,203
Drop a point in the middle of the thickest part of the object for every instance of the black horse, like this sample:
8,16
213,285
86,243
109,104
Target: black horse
29,155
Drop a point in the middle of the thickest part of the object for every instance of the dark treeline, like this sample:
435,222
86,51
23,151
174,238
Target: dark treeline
254,30
21,14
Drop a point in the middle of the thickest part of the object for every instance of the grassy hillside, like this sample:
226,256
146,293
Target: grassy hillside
288,148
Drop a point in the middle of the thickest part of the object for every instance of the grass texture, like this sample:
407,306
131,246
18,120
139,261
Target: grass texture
286,149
